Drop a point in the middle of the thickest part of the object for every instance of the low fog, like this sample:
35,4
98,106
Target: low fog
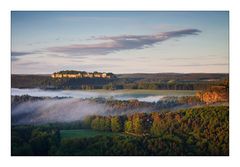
62,110
75,108
117,95
55,110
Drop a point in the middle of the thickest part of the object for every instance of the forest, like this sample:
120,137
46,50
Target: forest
122,81
194,131
175,125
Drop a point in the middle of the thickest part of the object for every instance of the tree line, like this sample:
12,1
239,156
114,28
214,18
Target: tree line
46,82
196,131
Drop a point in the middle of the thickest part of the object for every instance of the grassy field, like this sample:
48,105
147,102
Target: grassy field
84,133
146,91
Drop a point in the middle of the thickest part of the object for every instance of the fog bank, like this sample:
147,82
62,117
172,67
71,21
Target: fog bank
55,110
65,110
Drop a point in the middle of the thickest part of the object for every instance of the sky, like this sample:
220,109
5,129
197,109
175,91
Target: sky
119,42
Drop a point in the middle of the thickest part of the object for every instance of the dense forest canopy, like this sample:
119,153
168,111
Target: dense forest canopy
198,131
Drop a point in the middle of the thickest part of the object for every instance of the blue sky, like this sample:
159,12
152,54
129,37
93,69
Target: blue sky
120,42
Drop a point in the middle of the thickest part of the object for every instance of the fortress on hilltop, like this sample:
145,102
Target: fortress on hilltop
81,74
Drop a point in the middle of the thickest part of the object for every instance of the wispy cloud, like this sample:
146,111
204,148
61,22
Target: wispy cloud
29,63
112,44
108,44
16,54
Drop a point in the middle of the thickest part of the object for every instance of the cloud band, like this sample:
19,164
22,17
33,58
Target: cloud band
118,43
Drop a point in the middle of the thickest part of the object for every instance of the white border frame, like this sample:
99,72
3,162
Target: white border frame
5,15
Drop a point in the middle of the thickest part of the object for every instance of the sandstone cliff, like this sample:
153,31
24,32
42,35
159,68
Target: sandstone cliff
214,94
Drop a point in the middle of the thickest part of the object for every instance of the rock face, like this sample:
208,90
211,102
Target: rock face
214,94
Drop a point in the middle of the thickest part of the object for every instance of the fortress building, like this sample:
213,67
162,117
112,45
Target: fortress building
81,74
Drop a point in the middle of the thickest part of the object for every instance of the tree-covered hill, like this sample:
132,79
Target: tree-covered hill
161,81
197,131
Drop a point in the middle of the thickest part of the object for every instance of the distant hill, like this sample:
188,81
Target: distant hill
176,76
160,81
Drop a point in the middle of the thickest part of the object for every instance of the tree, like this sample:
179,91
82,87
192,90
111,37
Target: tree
101,123
39,142
116,124
128,126
95,123
156,125
107,124
87,121
137,124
